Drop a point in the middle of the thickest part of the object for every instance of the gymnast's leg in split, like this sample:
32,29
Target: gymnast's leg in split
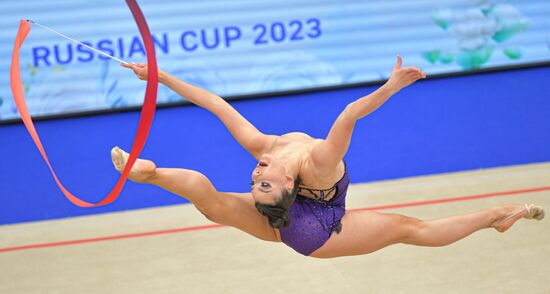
368,231
231,209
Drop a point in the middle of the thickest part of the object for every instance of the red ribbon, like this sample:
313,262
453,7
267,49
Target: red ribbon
145,120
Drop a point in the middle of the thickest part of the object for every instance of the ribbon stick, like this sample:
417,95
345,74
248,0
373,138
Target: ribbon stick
145,120
75,41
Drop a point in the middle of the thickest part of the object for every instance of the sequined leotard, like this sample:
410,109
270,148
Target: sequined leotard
312,221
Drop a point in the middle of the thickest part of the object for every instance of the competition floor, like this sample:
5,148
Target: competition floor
176,250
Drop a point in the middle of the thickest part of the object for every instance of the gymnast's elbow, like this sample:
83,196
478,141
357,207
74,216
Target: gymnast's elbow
350,114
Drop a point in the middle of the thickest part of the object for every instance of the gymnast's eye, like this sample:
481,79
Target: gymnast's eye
265,185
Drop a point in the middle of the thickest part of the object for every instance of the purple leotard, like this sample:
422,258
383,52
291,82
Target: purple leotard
312,221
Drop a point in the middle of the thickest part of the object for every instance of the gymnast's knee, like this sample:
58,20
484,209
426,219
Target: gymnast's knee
411,227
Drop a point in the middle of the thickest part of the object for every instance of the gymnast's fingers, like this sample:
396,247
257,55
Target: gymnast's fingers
398,63
411,69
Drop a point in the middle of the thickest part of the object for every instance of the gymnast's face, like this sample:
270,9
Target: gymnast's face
269,178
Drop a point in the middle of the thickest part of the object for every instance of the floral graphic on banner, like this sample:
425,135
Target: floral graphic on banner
479,32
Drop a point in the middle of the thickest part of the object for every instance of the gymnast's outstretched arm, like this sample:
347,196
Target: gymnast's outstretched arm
328,154
242,130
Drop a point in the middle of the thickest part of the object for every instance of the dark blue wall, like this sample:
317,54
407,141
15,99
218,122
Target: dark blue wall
435,126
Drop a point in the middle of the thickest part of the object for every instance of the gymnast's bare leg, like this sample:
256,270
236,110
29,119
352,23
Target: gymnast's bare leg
232,209
366,231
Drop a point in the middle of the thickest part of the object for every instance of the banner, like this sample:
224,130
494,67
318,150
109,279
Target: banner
256,47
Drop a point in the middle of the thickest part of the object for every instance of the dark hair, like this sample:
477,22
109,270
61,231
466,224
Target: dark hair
277,214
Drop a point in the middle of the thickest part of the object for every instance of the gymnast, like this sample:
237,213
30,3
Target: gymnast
299,184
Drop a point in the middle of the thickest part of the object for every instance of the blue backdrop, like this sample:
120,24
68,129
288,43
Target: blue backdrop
435,126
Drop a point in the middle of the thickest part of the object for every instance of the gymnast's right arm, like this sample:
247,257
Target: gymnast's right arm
242,130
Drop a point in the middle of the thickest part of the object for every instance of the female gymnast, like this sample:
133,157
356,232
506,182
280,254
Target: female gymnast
299,184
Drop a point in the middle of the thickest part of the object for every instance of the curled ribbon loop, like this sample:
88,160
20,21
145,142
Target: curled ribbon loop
145,120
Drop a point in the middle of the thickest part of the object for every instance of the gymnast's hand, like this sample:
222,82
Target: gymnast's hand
140,69
402,77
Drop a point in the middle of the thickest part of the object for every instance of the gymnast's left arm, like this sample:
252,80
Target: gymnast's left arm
326,155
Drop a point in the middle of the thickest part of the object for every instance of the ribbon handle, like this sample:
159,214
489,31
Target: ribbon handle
145,120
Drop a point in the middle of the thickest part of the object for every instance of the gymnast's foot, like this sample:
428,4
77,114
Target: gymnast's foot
142,171
511,213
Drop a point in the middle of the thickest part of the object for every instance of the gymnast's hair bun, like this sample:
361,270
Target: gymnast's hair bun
279,222
277,216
